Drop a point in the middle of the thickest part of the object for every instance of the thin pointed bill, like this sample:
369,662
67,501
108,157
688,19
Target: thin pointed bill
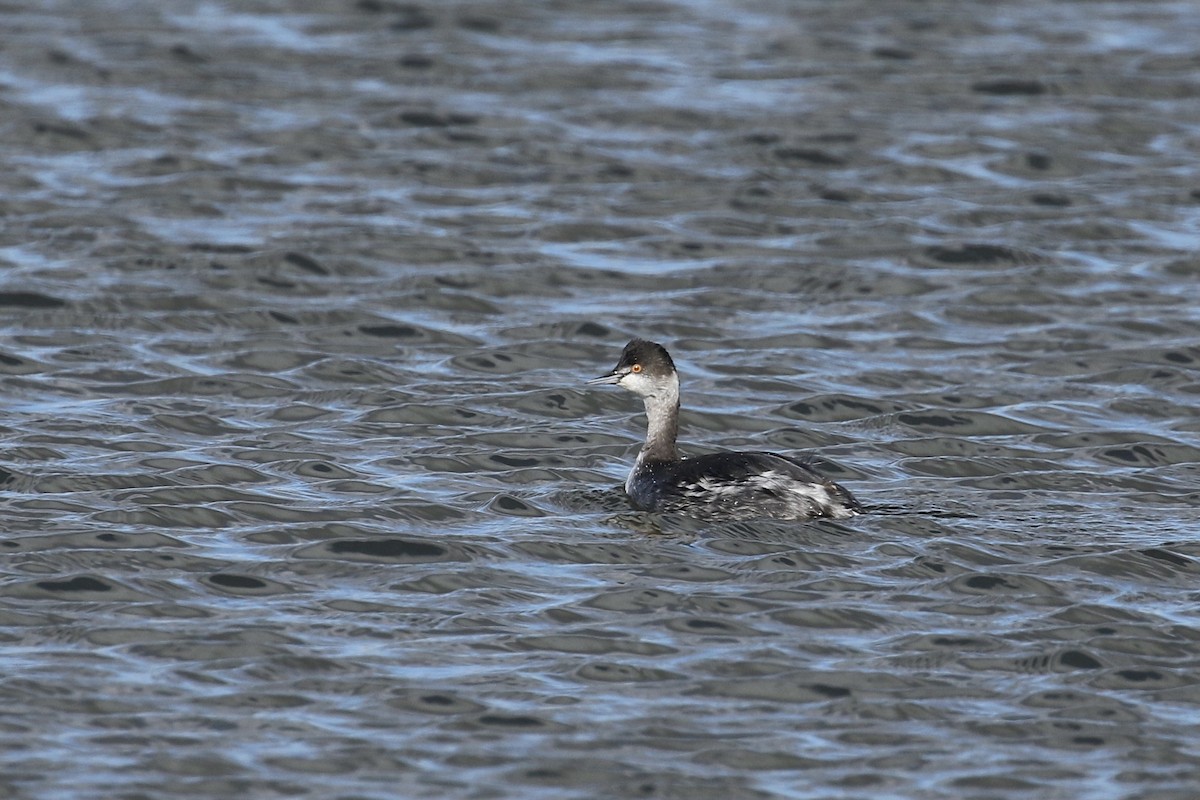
612,377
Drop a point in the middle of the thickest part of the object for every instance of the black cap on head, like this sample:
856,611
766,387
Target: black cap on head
653,357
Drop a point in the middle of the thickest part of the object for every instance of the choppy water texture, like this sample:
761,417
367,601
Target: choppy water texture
304,497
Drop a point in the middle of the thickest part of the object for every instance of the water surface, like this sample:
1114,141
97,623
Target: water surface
305,497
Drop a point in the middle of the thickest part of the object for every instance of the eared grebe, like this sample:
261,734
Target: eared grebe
723,485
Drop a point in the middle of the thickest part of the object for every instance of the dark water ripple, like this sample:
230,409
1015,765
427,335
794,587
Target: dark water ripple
304,495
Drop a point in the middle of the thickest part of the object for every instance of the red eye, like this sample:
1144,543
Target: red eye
636,368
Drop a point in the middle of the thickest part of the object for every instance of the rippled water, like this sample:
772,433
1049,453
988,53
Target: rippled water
305,497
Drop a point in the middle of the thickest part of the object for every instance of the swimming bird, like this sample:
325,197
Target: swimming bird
726,485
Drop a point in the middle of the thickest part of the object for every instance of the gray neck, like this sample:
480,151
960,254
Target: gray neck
662,424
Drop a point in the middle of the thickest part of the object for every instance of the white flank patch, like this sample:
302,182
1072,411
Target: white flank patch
798,498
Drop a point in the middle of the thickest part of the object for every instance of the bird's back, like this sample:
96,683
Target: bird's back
739,485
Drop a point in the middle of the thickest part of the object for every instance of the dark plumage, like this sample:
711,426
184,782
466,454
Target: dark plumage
732,485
